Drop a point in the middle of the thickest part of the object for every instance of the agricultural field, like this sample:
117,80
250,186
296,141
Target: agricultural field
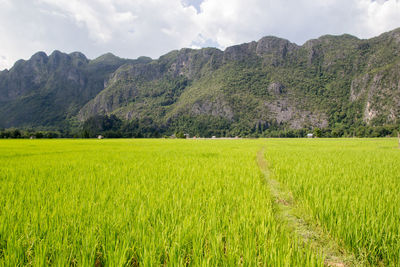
268,202
350,187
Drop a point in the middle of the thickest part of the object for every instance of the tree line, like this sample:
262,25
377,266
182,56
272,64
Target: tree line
14,133
110,126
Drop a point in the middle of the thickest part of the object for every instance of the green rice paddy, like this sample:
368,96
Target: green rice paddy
195,202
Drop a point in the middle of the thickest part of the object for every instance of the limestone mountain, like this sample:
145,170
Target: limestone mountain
49,90
332,81
327,81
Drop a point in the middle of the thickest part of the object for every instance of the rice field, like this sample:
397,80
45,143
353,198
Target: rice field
351,187
195,202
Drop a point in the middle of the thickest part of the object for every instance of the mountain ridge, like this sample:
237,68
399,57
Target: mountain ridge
334,81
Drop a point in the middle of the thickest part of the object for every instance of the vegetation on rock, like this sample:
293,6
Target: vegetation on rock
339,84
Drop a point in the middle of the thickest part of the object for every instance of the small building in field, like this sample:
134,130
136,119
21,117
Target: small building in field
100,137
310,135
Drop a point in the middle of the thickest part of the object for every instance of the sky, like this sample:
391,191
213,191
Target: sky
133,28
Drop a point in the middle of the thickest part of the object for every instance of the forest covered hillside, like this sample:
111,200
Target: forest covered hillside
340,85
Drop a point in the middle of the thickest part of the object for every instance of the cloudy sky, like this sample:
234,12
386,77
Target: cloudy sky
132,28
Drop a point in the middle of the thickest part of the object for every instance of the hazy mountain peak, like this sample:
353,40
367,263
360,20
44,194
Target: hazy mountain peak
78,55
107,57
39,55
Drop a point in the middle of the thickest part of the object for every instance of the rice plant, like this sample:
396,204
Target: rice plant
351,187
140,203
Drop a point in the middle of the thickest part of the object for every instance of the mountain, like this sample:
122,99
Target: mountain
49,90
329,82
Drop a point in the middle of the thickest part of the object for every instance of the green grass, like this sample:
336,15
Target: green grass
351,187
140,202
199,202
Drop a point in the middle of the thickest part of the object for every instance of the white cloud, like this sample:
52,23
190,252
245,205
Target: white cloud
99,18
380,16
154,27
126,28
235,21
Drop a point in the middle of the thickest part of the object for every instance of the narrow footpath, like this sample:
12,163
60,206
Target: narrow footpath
294,217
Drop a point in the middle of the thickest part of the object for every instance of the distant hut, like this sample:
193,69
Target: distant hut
213,137
310,135
100,137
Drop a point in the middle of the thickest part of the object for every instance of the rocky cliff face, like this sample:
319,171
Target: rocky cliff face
327,81
47,90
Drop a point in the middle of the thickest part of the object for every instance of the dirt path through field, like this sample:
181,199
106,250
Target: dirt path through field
296,220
